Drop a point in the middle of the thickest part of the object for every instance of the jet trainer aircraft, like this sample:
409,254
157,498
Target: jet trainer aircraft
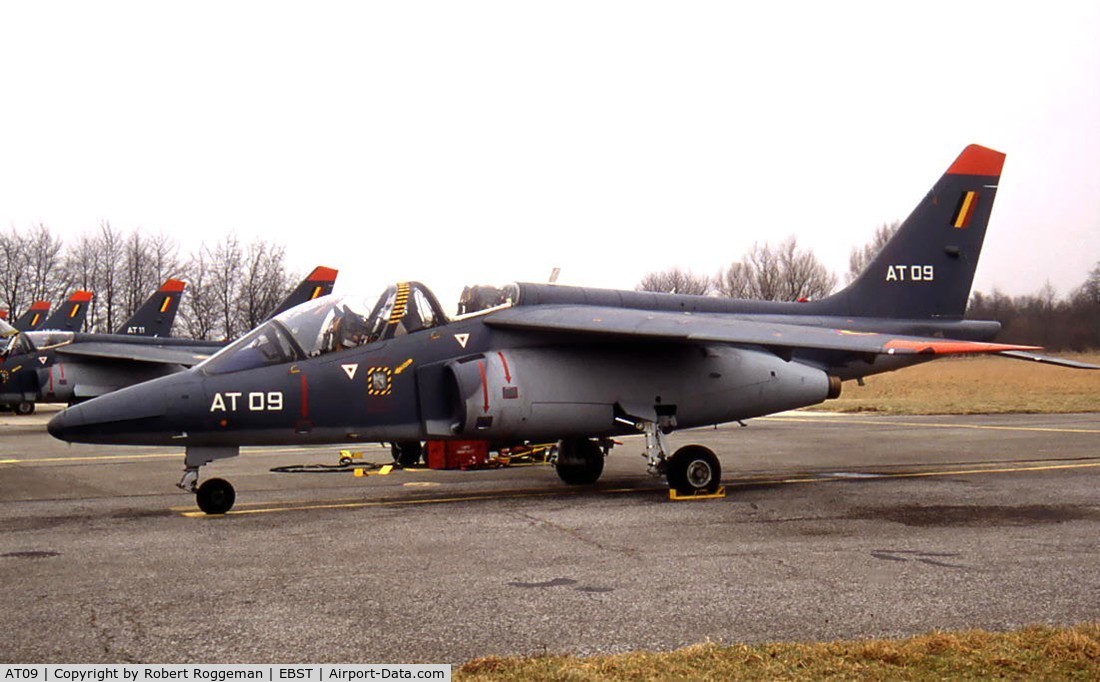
33,318
565,363
70,367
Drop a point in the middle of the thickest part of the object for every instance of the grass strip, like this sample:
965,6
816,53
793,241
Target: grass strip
1037,652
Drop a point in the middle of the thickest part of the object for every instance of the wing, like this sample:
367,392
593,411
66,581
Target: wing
642,324
188,357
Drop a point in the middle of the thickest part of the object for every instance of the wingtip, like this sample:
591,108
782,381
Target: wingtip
978,160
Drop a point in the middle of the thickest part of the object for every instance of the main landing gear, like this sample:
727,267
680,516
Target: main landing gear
691,470
580,460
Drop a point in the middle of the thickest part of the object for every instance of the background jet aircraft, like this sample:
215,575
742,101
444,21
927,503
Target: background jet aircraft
34,317
69,367
156,316
564,363
70,315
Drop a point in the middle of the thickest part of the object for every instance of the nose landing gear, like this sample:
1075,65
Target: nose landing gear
215,496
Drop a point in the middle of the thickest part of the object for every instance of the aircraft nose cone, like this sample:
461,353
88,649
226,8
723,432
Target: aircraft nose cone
121,417
65,421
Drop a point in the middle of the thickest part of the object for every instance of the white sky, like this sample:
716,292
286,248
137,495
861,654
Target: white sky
485,142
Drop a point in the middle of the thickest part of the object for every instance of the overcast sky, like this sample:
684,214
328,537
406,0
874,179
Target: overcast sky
486,142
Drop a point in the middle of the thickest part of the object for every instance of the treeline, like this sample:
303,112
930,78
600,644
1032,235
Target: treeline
231,287
788,273
1067,323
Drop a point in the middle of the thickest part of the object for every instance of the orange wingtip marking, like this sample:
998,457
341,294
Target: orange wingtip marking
322,274
978,160
952,347
81,296
172,286
40,305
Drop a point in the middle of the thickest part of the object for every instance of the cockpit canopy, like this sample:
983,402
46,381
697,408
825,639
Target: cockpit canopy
8,338
329,324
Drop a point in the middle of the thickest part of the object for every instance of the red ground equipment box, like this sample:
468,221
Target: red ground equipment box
457,454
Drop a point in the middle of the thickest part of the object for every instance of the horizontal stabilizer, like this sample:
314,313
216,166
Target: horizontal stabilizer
1046,359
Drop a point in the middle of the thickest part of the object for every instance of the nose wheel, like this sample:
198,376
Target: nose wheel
215,496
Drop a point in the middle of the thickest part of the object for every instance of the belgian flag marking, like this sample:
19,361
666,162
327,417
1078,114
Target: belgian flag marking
965,209
74,311
164,305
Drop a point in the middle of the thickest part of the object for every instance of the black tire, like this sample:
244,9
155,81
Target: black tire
580,461
23,408
216,496
407,453
693,470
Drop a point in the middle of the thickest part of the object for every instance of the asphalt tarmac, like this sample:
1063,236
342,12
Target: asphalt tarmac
833,526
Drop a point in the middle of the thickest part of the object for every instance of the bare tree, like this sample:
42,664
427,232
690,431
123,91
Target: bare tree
861,256
264,282
675,281
109,252
30,267
224,284
198,313
783,273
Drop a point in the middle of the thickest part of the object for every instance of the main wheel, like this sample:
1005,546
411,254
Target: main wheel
580,461
407,453
694,469
23,408
215,496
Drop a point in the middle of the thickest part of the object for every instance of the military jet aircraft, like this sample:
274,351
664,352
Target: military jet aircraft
33,318
70,367
71,314
565,363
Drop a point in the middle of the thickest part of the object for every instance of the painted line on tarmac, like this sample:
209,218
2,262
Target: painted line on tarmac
473,497
147,455
931,425
845,477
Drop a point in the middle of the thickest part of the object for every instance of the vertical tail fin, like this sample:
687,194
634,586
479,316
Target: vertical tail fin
69,317
33,318
318,283
156,316
926,269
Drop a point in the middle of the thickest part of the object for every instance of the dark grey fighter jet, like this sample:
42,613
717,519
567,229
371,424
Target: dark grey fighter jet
70,367
33,318
565,363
